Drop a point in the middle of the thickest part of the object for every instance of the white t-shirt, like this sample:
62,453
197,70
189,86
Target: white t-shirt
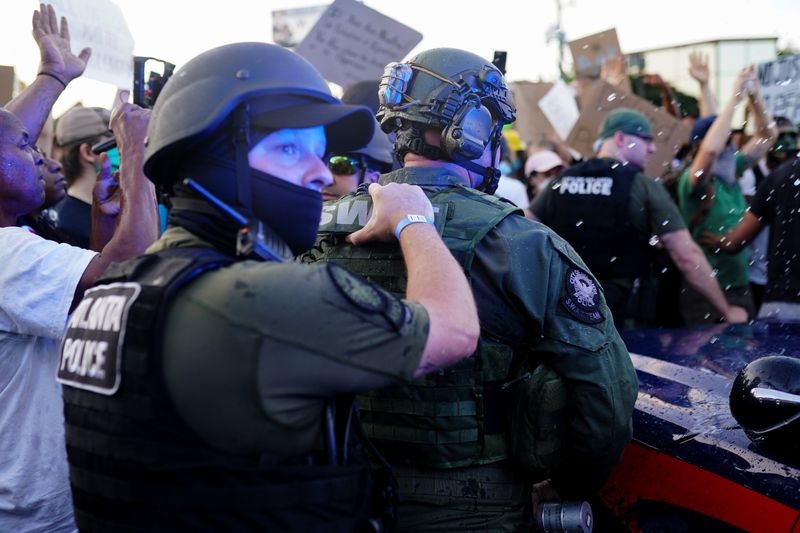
514,191
37,283
759,245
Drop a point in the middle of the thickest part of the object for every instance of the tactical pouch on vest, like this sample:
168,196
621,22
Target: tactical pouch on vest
538,419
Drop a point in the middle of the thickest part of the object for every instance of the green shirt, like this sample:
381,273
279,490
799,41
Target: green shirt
252,351
727,209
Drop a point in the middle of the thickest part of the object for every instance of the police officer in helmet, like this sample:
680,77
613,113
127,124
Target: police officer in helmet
549,393
207,382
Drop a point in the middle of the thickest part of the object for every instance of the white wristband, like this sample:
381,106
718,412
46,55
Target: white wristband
410,219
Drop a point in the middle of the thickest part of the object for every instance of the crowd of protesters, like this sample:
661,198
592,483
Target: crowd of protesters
715,239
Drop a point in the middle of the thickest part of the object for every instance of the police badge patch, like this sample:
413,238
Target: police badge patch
583,297
91,354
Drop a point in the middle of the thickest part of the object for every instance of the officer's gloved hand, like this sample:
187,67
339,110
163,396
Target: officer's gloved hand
391,204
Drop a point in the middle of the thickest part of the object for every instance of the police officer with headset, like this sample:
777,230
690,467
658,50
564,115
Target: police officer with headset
542,411
207,383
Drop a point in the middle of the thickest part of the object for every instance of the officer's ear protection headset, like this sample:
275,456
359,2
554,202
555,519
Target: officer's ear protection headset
469,124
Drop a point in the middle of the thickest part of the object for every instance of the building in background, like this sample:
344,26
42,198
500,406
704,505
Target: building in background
726,57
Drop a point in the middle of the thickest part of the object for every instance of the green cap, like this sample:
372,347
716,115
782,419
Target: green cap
627,121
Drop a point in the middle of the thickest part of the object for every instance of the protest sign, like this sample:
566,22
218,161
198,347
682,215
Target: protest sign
531,124
780,86
7,81
100,25
588,54
560,108
352,42
600,98
290,26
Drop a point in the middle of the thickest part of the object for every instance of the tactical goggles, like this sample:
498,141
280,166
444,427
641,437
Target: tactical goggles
344,165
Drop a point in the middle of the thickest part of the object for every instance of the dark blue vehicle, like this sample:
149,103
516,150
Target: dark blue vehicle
691,467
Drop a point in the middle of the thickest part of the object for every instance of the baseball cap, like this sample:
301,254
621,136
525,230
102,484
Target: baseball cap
542,162
627,121
82,124
701,127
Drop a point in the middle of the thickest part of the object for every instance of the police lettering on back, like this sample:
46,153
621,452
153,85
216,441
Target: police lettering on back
586,185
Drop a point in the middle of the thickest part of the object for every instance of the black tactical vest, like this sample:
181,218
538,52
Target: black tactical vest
589,206
135,465
459,415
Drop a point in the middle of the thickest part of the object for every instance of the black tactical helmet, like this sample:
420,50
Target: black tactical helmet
429,88
451,90
280,88
765,400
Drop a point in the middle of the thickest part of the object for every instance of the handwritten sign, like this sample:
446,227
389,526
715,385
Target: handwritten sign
588,54
780,86
290,26
352,42
100,25
560,108
600,98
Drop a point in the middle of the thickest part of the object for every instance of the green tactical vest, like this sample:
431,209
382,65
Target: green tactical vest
458,416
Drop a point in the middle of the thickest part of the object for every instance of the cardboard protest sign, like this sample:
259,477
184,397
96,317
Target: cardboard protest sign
100,25
352,42
7,81
290,26
588,54
531,124
780,86
560,108
600,98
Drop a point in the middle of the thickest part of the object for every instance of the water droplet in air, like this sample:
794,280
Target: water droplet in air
612,97
578,223
653,240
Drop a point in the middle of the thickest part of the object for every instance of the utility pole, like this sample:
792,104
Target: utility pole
556,33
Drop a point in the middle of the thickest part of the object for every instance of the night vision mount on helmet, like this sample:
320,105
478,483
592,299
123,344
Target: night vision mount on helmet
454,91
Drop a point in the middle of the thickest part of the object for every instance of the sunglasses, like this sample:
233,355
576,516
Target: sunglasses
343,165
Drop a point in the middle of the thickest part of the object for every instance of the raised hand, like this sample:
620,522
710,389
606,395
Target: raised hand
612,71
698,66
56,57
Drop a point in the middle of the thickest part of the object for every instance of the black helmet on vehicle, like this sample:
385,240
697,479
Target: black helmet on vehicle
765,400
457,92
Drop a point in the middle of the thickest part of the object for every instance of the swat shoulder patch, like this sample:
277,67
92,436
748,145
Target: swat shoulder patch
367,296
583,297
91,353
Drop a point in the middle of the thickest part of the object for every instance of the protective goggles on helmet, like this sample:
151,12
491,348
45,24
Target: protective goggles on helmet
346,166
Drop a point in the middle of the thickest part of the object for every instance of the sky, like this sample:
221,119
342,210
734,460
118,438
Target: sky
177,30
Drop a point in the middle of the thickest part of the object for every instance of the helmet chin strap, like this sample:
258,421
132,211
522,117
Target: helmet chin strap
491,175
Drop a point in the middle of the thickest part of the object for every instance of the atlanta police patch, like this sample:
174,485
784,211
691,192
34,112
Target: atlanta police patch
583,297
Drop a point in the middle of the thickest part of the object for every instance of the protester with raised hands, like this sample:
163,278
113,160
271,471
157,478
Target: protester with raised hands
42,280
710,197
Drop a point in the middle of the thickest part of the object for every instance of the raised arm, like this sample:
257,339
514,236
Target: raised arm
717,137
136,225
57,67
668,101
766,133
698,69
435,279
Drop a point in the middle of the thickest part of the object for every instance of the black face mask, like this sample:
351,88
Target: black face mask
290,210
